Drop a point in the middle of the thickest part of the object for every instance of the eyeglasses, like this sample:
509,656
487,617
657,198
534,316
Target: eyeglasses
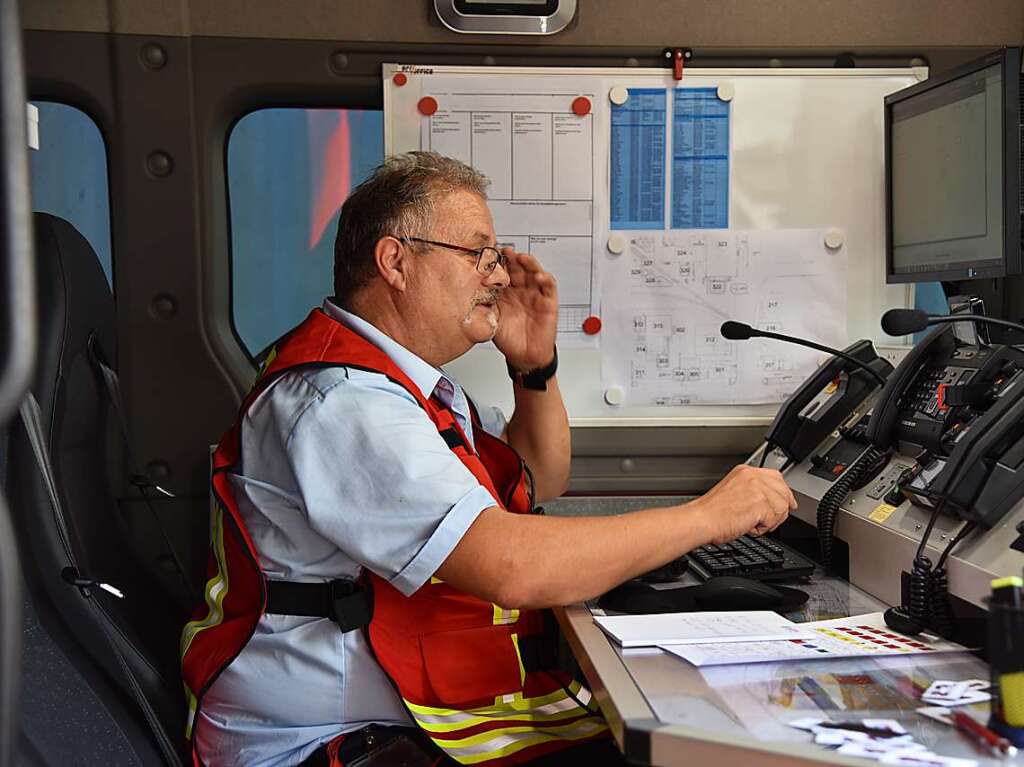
487,258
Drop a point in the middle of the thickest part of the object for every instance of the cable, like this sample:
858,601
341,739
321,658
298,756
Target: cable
941,619
919,602
830,503
928,605
928,530
768,447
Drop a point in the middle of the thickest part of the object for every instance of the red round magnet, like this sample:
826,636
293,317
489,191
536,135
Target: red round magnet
400,79
581,106
427,105
592,325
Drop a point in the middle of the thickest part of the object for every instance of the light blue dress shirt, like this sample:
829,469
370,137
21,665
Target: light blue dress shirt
340,469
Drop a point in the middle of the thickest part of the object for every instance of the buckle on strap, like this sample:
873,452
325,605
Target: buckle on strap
346,602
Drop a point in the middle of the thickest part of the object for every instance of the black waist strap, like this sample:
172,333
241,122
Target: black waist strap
347,603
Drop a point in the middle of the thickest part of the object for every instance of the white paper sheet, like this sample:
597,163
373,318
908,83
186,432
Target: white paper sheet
689,628
665,298
542,160
857,636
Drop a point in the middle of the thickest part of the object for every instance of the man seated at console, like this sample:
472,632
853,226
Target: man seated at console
356,458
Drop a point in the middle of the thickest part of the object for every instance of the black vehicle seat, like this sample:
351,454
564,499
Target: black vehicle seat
127,648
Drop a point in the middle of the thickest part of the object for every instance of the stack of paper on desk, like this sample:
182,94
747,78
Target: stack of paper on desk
699,628
858,636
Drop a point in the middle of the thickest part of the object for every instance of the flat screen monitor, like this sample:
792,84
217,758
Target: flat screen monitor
953,174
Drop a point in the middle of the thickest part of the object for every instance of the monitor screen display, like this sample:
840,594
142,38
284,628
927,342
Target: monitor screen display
946,185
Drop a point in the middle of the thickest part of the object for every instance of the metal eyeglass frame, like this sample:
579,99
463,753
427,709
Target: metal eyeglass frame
485,268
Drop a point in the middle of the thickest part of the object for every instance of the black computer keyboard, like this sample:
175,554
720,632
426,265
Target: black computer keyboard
761,559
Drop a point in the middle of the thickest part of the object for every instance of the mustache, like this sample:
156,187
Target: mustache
490,297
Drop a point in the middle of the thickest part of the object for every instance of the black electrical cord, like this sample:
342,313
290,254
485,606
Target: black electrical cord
928,605
828,507
919,602
768,447
941,619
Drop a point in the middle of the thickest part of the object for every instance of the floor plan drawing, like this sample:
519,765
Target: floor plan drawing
662,342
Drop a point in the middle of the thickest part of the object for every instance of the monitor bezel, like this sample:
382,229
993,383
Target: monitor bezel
1009,59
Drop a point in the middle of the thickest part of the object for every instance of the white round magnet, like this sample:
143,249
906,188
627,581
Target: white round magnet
618,95
614,395
616,244
833,239
726,91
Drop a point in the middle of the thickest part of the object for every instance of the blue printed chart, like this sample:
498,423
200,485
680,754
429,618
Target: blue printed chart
637,193
700,159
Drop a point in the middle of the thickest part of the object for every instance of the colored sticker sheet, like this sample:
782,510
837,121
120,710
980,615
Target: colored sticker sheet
857,636
637,193
700,159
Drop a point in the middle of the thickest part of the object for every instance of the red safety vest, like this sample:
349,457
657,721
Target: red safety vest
455,659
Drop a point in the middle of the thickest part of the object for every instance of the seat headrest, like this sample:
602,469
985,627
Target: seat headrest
75,302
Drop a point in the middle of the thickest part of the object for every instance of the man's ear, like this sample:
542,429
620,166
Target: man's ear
391,258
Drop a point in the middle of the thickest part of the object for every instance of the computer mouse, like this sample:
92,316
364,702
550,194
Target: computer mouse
728,592
718,594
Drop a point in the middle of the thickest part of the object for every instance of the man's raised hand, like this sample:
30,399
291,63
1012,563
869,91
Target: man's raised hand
529,313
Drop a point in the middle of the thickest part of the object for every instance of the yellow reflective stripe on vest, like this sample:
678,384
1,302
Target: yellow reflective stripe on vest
519,660
216,590
514,707
499,743
193,706
503,617
216,587
519,703
552,712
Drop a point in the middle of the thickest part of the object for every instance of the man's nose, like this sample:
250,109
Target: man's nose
498,278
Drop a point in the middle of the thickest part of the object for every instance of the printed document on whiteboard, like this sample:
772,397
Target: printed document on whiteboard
542,160
669,293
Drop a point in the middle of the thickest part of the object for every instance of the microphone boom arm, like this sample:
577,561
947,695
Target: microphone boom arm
818,347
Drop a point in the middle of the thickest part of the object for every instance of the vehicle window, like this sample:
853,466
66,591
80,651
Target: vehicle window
69,175
289,171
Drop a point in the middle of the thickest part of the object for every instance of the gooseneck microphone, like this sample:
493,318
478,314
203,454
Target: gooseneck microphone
739,331
901,322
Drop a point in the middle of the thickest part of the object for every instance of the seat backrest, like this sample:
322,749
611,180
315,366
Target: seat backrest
94,534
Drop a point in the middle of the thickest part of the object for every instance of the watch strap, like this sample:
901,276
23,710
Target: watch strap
535,380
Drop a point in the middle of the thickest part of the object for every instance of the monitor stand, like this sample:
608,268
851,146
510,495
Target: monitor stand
1002,298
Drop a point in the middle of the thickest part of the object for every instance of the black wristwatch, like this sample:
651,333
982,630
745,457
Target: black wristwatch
537,380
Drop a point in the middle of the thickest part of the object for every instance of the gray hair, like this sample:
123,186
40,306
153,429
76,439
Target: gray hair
397,200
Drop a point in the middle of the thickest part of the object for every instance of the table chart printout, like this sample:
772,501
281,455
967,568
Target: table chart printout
637,194
700,159
671,292
539,157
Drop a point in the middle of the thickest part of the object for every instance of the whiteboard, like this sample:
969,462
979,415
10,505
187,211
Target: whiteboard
806,152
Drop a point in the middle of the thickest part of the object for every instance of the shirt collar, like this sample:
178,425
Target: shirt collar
419,371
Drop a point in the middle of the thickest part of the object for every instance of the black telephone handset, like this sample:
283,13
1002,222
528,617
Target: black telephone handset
983,476
823,401
960,408
881,431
